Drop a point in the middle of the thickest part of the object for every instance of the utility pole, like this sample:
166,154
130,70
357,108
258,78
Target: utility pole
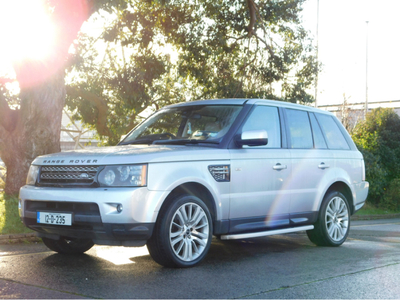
316,75
366,76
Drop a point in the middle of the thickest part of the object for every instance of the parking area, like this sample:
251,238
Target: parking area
283,266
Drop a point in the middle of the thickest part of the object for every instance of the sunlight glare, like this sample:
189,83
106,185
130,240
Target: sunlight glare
26,30
120,255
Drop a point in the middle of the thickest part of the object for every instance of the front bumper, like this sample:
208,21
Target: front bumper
101,233
95,213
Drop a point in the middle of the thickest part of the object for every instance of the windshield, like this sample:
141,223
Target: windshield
186,124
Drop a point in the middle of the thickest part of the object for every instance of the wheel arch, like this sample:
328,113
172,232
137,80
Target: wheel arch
343,188
195,189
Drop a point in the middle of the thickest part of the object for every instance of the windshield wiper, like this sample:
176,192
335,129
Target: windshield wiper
138,142
183,142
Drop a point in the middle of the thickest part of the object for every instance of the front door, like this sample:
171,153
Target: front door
259,174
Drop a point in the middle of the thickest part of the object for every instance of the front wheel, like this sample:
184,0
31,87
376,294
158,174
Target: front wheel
333,225
183,233
68,245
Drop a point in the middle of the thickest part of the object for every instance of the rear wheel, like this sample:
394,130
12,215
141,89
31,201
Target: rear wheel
333,225
183,233
68,245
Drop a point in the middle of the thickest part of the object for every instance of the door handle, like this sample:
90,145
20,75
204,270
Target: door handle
278,167
323,166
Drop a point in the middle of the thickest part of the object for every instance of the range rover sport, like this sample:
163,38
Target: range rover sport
233,168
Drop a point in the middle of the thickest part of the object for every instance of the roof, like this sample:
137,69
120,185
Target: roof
249,101
210,102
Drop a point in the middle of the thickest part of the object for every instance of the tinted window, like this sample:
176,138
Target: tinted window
319,141
265,118
299,129
333,135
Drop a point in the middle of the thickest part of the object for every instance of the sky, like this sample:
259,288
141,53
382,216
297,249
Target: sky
342,45
342,49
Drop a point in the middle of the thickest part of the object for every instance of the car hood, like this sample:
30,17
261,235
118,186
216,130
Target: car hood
131,154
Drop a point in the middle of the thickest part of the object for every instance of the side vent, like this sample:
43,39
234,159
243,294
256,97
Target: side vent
221,173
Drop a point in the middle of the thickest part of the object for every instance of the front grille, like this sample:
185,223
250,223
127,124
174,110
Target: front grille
58,175
85,215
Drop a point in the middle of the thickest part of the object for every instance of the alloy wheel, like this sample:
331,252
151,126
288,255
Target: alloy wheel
337,219
189,232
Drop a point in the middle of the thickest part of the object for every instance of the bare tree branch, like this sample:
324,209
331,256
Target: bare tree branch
3,136
269,48
237,38
243,68
254,13
253,17
8,116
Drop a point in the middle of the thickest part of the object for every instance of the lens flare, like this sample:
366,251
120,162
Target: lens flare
26,29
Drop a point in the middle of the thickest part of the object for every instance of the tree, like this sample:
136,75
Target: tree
217,49
30,122
348,116
225,49
378,138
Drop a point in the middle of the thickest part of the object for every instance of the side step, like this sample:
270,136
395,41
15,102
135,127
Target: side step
264,233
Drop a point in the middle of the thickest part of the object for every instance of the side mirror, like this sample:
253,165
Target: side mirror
253,138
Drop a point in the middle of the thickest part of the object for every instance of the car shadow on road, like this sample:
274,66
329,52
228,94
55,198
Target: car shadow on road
234,250
220,252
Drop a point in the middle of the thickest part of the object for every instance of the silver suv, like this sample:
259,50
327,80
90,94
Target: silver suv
235,169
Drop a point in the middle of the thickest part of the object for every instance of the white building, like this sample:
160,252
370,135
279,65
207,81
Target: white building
351,113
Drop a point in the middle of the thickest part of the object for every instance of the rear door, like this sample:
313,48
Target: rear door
312,163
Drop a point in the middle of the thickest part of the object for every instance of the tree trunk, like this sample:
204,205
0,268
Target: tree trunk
34,128
35,131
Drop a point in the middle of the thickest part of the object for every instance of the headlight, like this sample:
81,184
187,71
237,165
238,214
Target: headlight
123,175
32,175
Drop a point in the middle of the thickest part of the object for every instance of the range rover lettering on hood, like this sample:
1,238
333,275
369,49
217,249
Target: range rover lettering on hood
71,161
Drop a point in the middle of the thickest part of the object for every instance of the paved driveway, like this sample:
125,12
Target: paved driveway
284,266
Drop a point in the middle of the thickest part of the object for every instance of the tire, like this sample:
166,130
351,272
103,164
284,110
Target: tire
68,245
333,224
183,233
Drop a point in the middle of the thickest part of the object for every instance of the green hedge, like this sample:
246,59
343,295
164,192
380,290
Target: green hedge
378,138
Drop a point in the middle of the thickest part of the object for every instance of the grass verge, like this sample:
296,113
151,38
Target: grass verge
10,222
369,209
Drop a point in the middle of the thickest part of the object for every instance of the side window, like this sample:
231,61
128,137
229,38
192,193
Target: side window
319,141
299,129
265,118
333,135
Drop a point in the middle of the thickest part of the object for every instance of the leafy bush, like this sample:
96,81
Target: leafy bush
378,138
376,175
391,198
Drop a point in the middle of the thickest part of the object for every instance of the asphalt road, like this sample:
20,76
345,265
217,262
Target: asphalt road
284,266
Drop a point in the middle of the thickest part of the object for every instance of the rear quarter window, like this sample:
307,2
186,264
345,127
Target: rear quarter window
333,136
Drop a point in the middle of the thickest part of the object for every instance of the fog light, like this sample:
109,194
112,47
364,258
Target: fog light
119,208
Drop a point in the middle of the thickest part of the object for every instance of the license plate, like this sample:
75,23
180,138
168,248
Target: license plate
54,218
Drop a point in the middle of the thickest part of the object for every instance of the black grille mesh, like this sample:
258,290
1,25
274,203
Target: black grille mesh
68,174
